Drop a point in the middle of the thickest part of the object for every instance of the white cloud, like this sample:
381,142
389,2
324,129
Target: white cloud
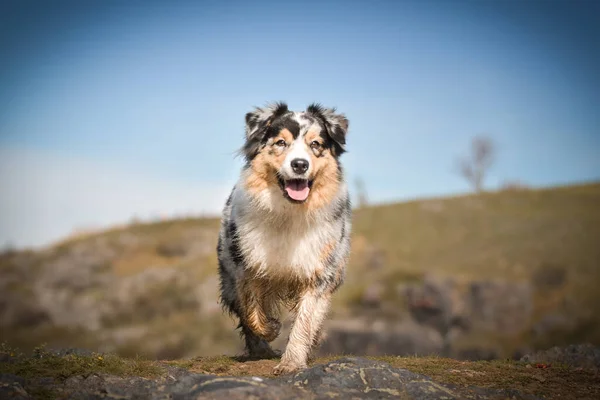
45,196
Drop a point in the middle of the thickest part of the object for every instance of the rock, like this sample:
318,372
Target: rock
372,295
578,356
179,385
67,284
15,310
549,276
152,293
553,323
72,290
476,353
437,303
346,378
500,306
18,305
11,387
72,351
404,338
358,378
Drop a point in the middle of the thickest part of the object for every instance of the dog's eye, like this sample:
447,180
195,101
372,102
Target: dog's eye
280,143
315,145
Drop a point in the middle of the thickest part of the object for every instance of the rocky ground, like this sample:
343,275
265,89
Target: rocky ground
347,378
84,375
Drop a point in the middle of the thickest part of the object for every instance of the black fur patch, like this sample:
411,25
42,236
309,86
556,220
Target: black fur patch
256,119
228,202
339,210
280,124
263,126
335,126
234,247
219,245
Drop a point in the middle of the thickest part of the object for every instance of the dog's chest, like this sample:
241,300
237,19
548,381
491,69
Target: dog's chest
292,249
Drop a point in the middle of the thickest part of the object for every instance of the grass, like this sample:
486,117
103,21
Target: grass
552,382
43,363
493,234
509,235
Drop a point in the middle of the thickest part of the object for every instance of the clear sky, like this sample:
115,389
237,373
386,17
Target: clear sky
110,109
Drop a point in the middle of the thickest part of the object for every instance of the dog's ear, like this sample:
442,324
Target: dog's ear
261,118
257,125
335,124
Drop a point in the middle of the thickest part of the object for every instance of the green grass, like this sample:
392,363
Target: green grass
43,363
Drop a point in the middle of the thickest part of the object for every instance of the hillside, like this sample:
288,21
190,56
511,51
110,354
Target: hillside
470,277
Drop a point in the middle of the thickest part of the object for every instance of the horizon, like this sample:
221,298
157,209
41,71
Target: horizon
111,111
86,232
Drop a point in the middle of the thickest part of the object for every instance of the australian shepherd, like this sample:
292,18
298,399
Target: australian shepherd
285,231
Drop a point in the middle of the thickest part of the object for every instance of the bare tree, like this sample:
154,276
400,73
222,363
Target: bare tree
361,193
475,166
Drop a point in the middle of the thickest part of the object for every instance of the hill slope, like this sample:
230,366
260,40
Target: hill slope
444,265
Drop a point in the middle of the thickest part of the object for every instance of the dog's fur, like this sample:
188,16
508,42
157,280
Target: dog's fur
276,248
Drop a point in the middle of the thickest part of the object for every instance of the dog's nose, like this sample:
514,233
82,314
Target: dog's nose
299,165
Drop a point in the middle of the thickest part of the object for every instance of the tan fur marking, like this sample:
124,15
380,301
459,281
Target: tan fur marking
326,183
266,164
258,308
325,175
326,251
285,135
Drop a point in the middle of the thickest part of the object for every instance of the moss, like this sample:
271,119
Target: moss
43,363
556,381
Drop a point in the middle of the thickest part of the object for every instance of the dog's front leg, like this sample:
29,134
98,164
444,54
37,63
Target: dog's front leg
259,325
310,313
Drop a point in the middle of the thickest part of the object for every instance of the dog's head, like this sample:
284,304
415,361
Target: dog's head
296,153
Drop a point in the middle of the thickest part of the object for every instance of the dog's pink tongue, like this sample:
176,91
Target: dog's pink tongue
297,190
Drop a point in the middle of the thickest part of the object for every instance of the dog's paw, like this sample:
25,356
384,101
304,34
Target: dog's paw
287,367
261,350
264,353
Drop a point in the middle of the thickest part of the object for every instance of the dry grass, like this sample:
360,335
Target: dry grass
509,235
553,382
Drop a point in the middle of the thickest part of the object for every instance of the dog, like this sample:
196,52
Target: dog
285,231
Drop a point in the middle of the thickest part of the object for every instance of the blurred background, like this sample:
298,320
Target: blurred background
473,163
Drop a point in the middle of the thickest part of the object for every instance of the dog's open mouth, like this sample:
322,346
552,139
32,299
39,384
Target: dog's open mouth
296,189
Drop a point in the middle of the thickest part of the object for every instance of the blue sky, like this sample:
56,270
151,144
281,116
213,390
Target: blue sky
113,109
